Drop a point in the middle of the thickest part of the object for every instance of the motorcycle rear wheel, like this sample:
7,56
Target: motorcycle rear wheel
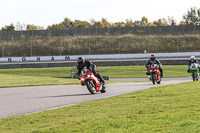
91,86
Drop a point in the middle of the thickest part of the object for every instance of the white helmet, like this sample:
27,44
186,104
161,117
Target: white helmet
192,57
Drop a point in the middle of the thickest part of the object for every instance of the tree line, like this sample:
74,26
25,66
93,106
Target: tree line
191,17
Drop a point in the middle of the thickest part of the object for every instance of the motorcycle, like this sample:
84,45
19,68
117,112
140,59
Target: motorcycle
155,74
91,81
194,70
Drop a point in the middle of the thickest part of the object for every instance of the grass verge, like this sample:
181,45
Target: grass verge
140,71
171,108
57,76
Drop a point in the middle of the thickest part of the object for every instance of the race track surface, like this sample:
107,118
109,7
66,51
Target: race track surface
27,100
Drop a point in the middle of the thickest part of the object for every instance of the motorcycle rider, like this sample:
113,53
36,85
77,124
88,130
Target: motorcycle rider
192,60
153,60
92,67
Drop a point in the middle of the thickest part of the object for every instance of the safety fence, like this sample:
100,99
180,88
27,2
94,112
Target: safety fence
93,45
151,30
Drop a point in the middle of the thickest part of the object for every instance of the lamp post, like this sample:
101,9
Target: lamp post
96,29
70,28
2,48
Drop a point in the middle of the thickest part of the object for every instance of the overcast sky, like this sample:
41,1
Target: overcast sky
48,12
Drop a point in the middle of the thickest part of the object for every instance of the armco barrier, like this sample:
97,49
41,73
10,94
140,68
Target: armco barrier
178,61
97,57
99,60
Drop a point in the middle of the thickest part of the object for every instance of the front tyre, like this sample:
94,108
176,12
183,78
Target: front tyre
193,76
91,86
153,78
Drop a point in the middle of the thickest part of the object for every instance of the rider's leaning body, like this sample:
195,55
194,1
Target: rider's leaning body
153,60
92,67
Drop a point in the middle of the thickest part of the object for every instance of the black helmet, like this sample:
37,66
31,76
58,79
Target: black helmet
81,60
153,56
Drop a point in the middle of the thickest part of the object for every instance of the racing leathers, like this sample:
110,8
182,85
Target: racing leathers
155,61
189,64
192,61
92,68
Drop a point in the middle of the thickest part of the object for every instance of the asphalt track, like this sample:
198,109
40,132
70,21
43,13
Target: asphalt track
27,100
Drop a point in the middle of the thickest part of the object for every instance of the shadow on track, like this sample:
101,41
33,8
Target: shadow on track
72,95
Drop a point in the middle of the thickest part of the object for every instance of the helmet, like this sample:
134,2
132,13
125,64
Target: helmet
81,60
153,56
192,58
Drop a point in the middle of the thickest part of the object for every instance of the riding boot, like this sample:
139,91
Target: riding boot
101,79
161,74
103,90
93,67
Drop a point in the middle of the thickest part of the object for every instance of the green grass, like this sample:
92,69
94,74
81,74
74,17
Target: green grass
18,80
35,76
166,109
51,76
140,71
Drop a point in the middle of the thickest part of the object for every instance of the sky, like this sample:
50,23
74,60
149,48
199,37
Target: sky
48,12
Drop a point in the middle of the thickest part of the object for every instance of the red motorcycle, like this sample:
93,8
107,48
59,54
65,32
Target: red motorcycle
91,81
155,74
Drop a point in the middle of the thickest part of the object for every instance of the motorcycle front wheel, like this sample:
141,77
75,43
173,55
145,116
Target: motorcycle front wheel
193,76
153,78
91,86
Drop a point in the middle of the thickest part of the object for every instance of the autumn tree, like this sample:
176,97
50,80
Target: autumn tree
105,23
129,23
160,22
98,24
171,21
192,16
53,26
63,25
81,24
66,23
10,27
145,21
182,23
33,27
119,24
138,23
93,23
